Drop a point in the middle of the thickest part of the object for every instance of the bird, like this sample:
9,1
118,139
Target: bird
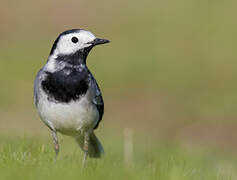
66,94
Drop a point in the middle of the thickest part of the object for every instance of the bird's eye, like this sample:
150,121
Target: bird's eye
74,39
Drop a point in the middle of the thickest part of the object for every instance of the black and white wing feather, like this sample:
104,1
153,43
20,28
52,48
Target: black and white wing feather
97,100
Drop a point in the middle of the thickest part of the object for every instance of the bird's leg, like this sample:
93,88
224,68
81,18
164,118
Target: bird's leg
56,145
85,148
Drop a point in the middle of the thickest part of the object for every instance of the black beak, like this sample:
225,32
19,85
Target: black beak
98,41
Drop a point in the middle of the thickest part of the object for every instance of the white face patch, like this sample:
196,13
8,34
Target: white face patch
66,46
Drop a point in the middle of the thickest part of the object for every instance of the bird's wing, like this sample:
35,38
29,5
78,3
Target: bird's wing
37,81
97,99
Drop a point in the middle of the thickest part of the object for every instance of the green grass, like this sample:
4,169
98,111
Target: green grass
33,158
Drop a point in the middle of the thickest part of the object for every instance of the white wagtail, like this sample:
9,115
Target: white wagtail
67,95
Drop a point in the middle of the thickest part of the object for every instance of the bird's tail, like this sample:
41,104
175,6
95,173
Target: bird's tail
95,148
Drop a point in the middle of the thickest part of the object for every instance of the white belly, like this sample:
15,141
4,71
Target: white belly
72,118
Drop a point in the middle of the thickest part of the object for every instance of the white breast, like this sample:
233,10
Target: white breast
71,118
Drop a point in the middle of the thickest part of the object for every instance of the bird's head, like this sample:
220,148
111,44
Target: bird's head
71,49
75,41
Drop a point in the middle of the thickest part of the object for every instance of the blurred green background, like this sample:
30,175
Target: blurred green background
169,73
